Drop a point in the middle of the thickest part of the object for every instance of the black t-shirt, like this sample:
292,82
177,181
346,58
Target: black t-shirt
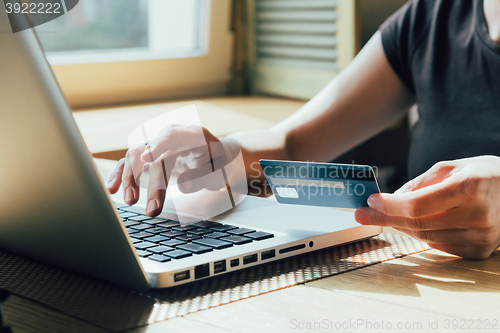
441,50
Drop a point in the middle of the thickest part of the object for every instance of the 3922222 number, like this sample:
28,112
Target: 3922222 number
485,324
33,8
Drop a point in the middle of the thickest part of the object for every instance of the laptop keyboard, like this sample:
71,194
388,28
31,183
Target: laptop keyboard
163,240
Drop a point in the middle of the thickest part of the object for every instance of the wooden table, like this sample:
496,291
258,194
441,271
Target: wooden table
431,291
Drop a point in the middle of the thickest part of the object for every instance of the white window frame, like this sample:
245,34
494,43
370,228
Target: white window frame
123,81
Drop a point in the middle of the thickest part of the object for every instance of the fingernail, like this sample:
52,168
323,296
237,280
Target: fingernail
361,217
152,205
372,203
129,194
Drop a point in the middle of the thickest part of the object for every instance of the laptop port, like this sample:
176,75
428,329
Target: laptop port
292,248
219,266
181,276
268,254
234,262
249,259
201,271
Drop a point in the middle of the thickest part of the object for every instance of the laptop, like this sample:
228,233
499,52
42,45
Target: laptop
55,208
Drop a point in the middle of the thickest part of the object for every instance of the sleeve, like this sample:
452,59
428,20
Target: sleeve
401,34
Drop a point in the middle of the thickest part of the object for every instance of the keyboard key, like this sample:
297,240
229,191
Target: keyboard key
184,228
125,215
132,231
160,249
206,224
156,230
178,254
238,240
156,239
259,235
135,240
142,253
172,234
144,245
199,231
130,223
188,238
140,235
141,226
159,257
169,224
139,218
223,227
195,248
154,221
173,242
216,235
240,231
215,243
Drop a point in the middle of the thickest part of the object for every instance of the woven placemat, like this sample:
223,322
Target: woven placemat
115,308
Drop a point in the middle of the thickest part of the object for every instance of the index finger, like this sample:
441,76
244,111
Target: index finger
422,202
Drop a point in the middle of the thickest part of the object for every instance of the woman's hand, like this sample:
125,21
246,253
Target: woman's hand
454,207
188,153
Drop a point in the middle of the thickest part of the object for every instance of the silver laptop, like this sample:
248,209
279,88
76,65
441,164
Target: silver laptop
55,208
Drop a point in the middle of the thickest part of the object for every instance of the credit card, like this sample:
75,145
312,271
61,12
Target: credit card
320,184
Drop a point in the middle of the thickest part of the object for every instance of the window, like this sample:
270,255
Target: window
123,51
123,30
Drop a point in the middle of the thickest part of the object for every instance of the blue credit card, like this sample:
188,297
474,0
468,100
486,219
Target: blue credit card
320,184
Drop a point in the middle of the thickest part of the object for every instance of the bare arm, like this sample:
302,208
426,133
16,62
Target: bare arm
361,101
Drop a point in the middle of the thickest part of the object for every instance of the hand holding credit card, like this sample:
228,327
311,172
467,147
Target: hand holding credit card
320,184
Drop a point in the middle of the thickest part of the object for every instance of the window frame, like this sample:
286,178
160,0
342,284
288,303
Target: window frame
124,82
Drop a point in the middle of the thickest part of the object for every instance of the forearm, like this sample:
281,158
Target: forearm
361,101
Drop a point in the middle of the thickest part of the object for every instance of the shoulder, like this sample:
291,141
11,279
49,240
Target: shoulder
412,20
408,28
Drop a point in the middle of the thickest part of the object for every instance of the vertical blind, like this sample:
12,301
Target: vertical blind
297,33
297,45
